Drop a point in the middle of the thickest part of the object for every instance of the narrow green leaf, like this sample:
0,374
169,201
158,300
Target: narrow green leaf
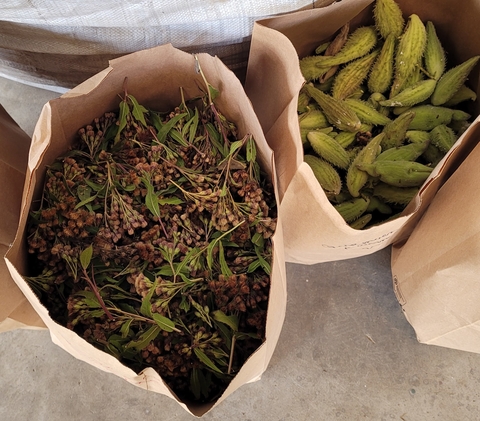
151,199
178,137
214,92
223,263
145,338
83,192
138,110
125,329
258,240
195,386
170,201
85,202
96,313
165,271
156,120
231,321
252,267
205,360
216,139
86,256
184,304
146,307
122,119
165,129
164,322
263,263
235,146
193,127
94,186
89,298
251,150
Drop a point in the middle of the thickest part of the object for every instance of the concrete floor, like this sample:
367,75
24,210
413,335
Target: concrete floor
346,352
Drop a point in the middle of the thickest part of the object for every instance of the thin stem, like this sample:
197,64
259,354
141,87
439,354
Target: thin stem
232,350
93,285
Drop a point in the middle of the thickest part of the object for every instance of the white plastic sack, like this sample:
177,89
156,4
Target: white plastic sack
57,45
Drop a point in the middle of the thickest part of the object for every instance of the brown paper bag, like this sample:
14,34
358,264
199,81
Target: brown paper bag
435,272
154,78
314,231
15,311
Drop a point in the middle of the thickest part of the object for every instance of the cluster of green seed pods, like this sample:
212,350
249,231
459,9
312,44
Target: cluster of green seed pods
380,109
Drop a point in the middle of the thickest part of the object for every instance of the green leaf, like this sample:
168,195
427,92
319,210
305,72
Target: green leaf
195,386
251,150
205,360
89,299
125,329
151,199
86,256
235,146
263,263
216,139
184,304
170,124
165,271
252,267
258,240
146,307
96,313
231,321
178,137
95,187
145,338
214,92
85,202
241,335
122,119
191,254
193,127
138,110
164,322
223,263
156,120
83,192
170,201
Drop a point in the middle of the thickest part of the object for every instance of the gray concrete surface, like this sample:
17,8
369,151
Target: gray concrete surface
346,352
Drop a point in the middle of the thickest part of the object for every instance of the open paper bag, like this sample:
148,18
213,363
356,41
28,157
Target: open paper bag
436,271
314,231
154,78
15,311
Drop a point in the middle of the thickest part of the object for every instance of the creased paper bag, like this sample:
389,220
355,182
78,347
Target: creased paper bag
15,310
313,231
154,78
436,272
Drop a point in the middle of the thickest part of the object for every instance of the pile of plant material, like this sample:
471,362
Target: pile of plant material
153,242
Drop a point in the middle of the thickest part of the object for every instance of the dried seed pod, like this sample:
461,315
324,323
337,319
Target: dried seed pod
326,175
350,77
388,18
329,149
352,209
398,173
412,95
337,112
356,177
409,51
366,113
452,80
380,77
360,42
434,57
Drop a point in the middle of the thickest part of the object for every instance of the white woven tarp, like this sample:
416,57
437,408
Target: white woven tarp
59,43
